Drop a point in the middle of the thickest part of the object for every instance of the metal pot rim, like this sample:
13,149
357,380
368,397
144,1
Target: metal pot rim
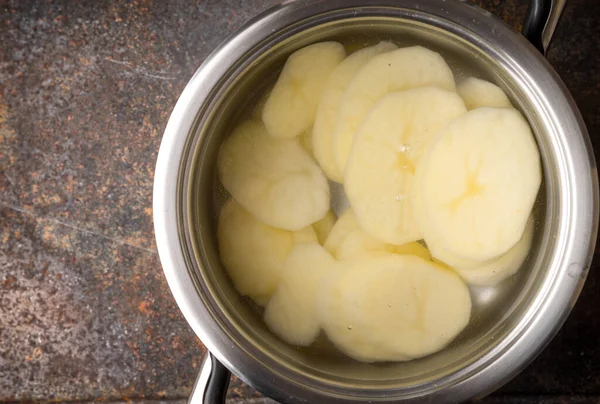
579,196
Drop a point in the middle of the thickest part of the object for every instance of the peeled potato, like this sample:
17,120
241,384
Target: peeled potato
328,109
292,104
274,179
416,249
393,308
358,244
306,141
397,70
440,179
305,235
494,272
253,253
478,93
387,145
323,227
292,311
476,186
345,224
348,241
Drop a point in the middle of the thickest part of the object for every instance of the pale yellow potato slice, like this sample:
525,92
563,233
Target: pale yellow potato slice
292,311
274,179
476,185
253,253
393,308
329,105
307,142
478,93
292,104
345,224
495,271
358,244
348,241
387,146
323,227
397,70
305,235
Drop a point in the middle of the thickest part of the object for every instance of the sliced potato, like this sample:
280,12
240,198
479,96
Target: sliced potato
495,271
478,93
323,227
253,253
306,141
345,224
387,146
348,241
292,104
397,70
359,243
328,109
274,179
292,311
394,308
476,186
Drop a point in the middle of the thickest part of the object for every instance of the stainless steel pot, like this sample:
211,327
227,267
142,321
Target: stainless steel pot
502,338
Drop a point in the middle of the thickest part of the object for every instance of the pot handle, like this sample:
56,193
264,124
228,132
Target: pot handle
541,20
212,382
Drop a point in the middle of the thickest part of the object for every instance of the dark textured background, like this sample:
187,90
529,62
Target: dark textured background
86,89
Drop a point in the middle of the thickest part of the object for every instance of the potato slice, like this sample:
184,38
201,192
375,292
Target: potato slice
329,105
292,105
476,186
478,93
387,146
323,227
292,311
305,235
345,224
495,271
393,308
397,70
253,253
274,179
358,244
306,140
348,241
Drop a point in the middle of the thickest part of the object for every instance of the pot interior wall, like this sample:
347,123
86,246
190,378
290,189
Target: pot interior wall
496,309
